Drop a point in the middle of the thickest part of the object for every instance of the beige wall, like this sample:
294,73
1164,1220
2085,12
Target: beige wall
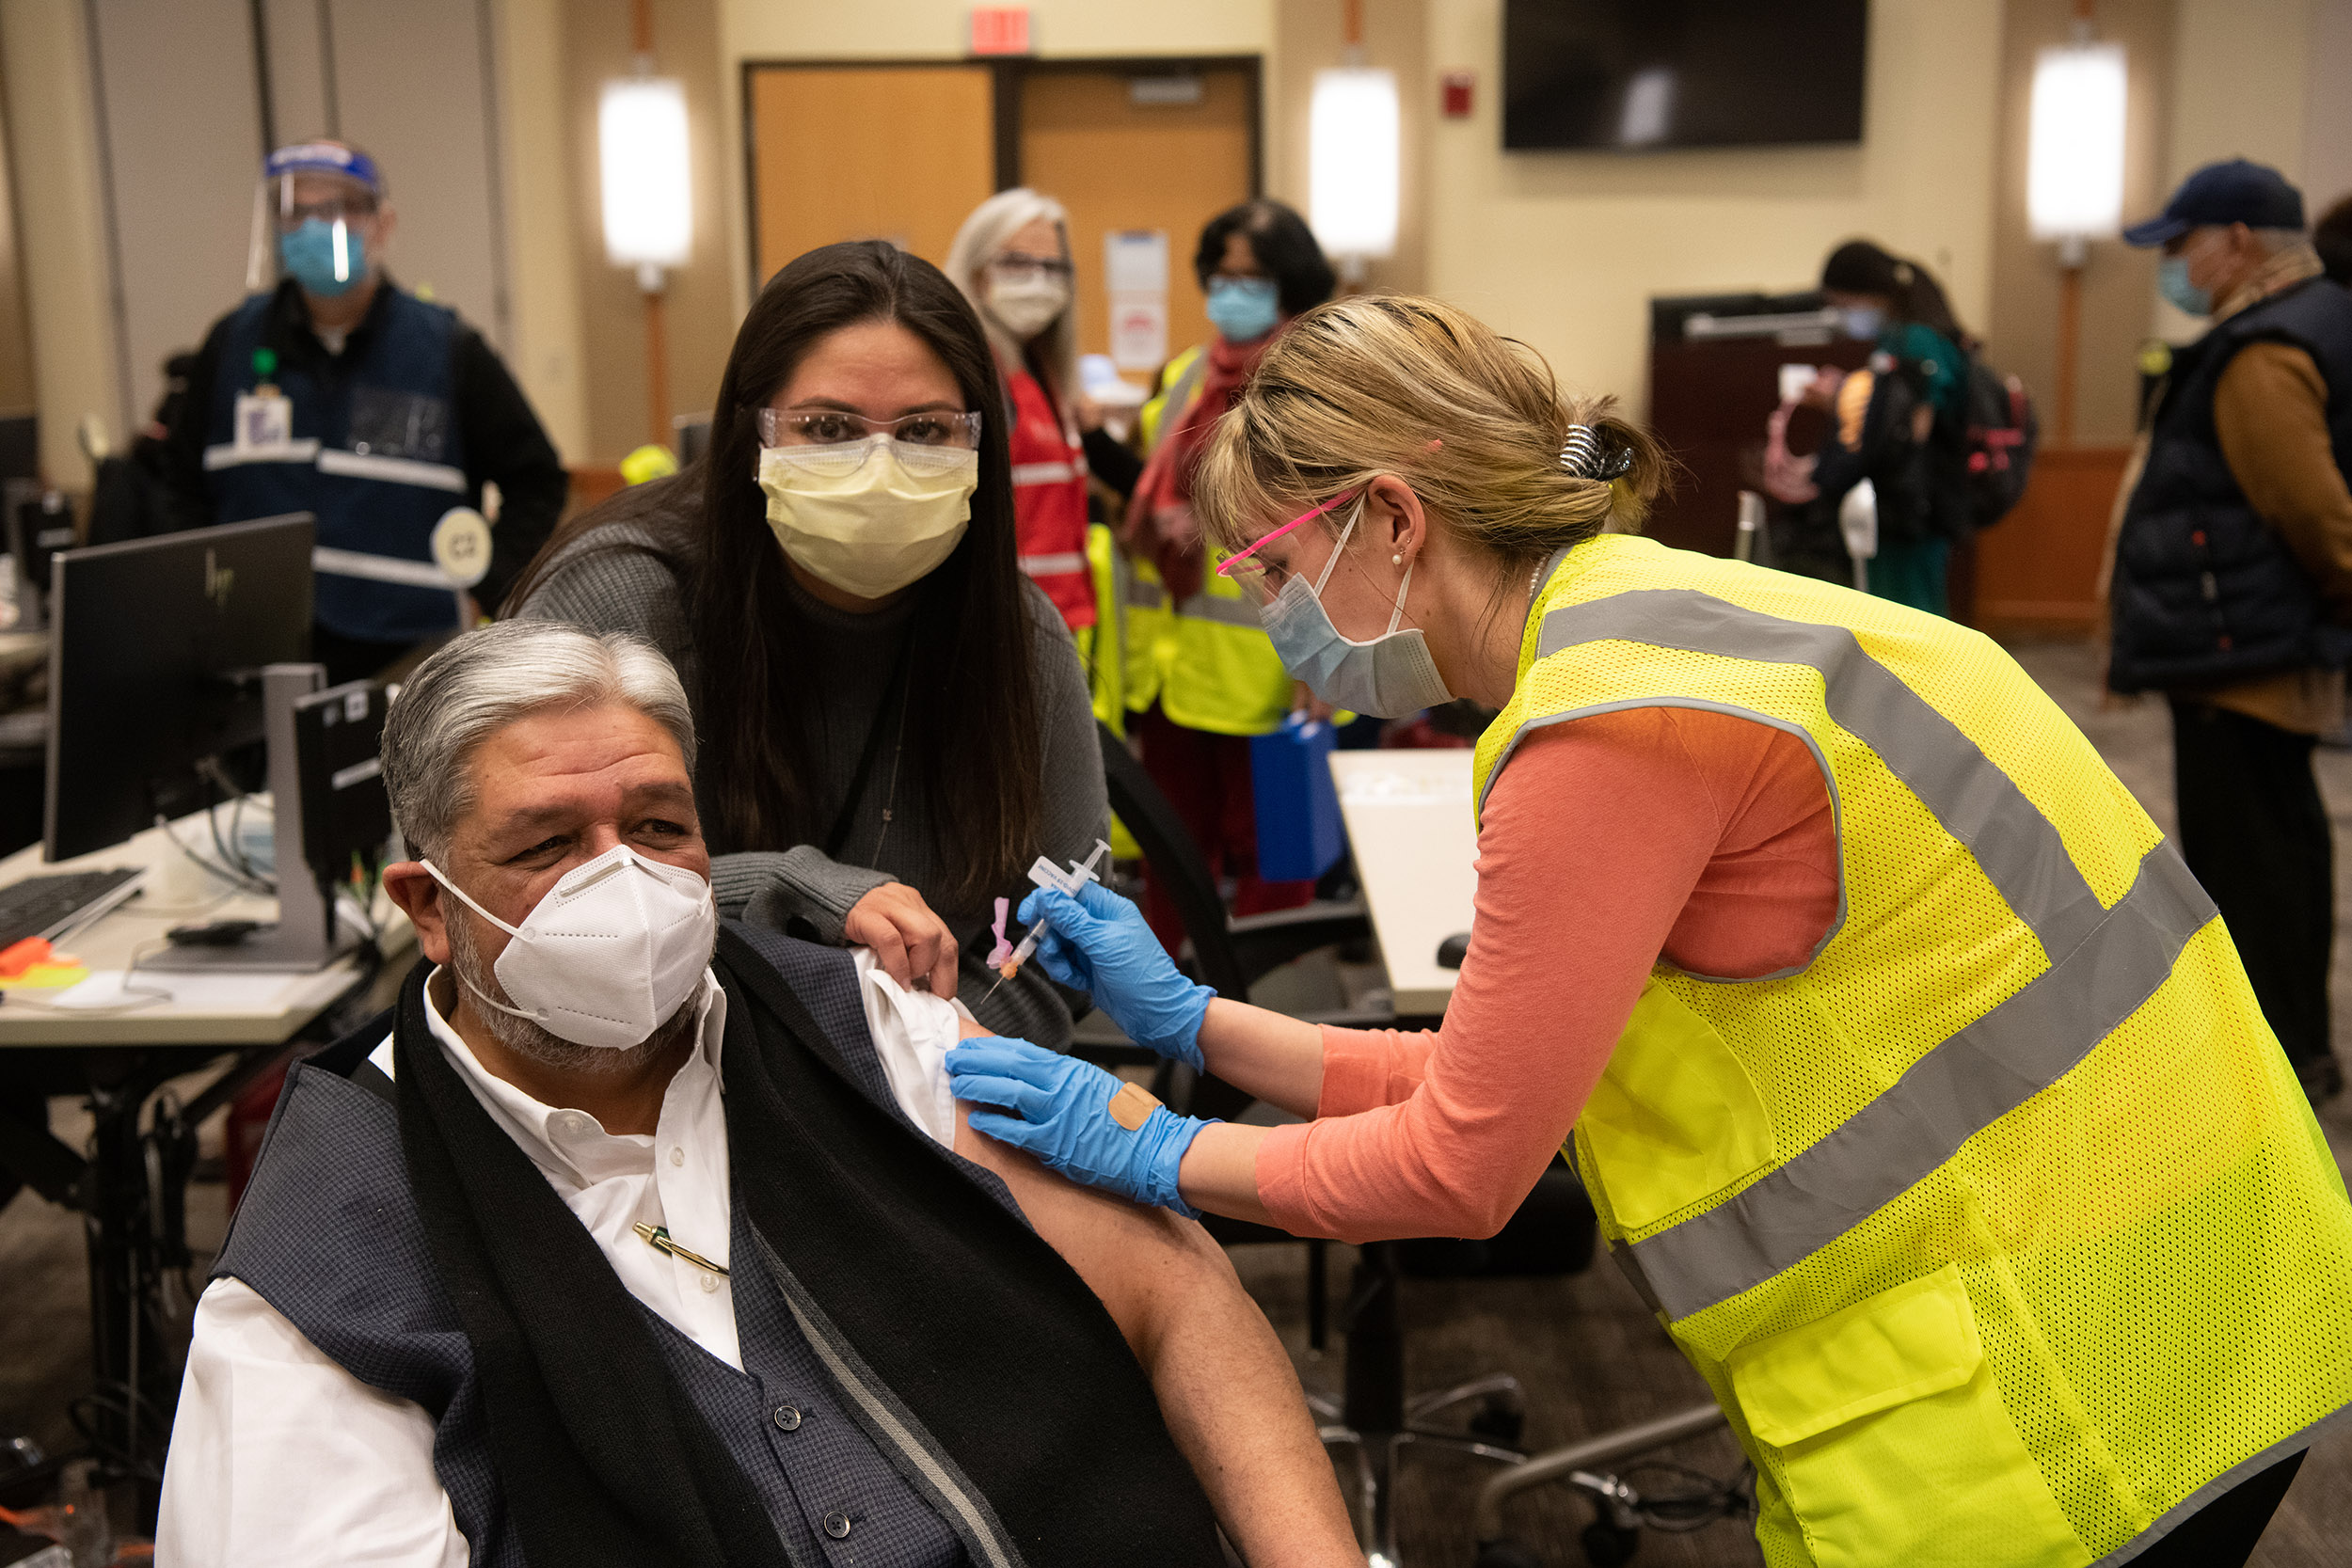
52,146
542,246
17,391
2118,281
1565,250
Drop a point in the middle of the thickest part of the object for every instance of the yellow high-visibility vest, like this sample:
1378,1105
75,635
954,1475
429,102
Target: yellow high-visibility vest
2000,1227
1205,660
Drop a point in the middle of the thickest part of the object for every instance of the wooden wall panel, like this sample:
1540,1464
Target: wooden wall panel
854,153
2038,567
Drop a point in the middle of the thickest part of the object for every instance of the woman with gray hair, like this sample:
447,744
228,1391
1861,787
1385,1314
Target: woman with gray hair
1011,259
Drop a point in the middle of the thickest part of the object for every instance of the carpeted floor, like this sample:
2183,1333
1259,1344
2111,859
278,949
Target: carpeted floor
1591,1359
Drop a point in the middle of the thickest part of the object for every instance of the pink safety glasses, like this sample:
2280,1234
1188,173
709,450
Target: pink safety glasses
1240,564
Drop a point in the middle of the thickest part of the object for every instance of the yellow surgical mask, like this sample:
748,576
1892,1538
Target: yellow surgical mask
870,516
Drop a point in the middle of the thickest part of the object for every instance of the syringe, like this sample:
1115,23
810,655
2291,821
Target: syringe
1045,874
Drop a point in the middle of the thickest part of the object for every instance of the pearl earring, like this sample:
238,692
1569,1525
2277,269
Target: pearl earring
1397,560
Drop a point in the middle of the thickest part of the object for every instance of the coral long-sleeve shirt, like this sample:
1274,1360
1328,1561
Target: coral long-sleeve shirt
1609,843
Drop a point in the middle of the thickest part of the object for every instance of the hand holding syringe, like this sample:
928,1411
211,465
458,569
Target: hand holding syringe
1006,960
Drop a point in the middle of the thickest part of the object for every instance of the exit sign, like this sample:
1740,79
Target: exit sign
1000,29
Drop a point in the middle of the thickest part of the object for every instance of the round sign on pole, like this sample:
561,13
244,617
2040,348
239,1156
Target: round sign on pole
461,546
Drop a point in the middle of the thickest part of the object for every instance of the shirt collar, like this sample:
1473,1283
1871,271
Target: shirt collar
572,1144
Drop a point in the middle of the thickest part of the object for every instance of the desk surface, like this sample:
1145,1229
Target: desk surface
210,1009
1408,821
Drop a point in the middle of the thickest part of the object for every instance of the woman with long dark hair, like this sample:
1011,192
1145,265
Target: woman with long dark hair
893,722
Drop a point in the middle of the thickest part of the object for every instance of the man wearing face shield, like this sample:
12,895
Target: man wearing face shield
339,393
631,1237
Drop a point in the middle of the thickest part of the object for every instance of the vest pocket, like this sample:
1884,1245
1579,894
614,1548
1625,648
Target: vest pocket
1892,1441
1675,1116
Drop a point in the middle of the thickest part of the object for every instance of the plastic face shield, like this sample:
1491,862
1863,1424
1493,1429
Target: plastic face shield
321,180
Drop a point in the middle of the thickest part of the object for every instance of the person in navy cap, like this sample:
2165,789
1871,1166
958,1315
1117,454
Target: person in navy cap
2233,578
336,392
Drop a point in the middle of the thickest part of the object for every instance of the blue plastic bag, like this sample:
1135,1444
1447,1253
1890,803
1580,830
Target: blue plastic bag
1299,834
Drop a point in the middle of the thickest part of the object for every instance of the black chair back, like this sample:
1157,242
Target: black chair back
1177,866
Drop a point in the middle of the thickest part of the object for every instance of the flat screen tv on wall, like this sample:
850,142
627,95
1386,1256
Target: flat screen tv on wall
1647,76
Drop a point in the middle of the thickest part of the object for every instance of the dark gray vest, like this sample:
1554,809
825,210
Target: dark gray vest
2205,589
328,1233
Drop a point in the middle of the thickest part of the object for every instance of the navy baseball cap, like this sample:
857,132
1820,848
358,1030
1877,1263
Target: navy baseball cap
2254,195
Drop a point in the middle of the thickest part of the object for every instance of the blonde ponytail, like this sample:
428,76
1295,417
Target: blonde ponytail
1397,383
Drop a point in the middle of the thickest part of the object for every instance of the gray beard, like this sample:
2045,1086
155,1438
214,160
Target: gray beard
527,1038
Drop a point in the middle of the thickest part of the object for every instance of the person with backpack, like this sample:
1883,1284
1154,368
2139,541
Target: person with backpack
2232,580
1901,423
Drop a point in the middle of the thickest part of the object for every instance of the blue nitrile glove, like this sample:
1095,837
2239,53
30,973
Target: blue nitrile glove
1062,1113
1098,943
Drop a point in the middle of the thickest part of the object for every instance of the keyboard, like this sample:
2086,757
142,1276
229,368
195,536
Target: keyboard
44,906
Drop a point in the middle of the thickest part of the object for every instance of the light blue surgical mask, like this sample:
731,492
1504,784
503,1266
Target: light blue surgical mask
2172,282
309,257
1244,309
1864,322
1389,677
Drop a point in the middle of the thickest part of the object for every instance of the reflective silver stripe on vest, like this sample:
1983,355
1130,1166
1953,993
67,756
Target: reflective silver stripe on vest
380,569
305,452
1053,566
1139,595
392,471
1042,473
1204,605
2104,963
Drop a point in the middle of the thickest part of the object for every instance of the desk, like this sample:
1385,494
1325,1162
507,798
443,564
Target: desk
1408,822
131,1184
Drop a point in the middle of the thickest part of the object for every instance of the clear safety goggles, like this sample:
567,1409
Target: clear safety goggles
834,427
1017,268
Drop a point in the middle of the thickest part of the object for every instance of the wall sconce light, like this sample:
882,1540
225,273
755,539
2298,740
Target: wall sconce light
2074,178
1352,164
2075,157
641,156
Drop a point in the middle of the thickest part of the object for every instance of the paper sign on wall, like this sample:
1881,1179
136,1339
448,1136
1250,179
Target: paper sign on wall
1135,268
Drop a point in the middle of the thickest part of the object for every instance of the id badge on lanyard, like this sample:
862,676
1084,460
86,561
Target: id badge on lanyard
264,416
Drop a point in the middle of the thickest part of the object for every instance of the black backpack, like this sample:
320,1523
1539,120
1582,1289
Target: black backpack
1998,447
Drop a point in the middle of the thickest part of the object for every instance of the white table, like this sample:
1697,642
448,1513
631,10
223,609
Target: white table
222,1011
1408,822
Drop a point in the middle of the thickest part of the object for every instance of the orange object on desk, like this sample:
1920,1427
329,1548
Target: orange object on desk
18,956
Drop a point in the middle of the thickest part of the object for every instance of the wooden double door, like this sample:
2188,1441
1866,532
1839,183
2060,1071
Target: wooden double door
903,151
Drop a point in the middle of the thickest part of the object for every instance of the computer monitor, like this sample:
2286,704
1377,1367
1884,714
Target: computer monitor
347,814
155,658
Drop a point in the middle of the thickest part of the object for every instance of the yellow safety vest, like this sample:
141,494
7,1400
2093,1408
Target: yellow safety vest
1206,661
2000,1228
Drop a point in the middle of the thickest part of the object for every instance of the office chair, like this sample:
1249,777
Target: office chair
1373,1416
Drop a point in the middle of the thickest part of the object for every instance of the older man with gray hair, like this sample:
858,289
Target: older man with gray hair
633,1238
2232,590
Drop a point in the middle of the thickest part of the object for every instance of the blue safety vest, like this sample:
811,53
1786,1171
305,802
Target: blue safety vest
375,454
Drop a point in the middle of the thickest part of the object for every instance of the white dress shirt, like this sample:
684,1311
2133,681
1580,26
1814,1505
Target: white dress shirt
278,1456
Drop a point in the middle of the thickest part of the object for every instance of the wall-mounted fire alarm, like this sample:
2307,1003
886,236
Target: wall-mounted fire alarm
1458,85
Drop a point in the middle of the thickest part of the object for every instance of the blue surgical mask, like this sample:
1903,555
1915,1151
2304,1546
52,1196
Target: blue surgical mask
2172,282
1389,677
1864,322
1244,309
309,256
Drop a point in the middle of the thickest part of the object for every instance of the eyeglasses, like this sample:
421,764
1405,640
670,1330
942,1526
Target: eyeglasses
829,427
1013,266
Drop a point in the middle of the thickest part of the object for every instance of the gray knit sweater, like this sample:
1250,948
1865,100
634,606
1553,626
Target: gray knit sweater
622,577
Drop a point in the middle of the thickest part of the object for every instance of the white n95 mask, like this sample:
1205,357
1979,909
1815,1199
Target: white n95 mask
870,516
612,952
1389,677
